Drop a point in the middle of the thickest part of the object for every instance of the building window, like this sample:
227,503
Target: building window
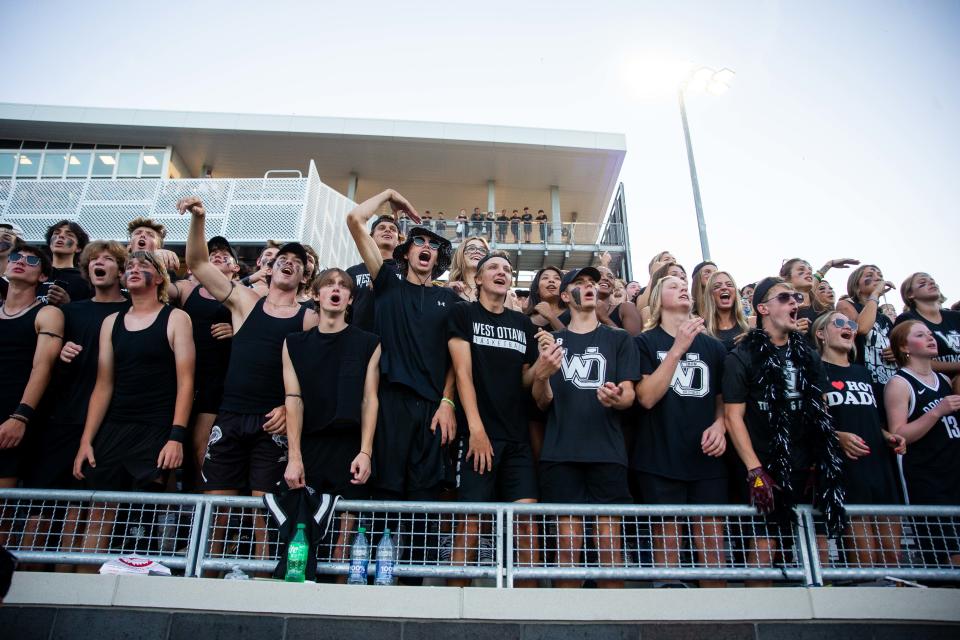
104,164
152,163
128,164
53,164
28,165
78,165
7,163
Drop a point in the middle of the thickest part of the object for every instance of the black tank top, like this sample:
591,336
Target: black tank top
254,382
615,316
213,355
930,464
144,373
870,347
18,342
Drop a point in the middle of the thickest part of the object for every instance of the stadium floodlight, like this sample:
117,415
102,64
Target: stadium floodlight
715,83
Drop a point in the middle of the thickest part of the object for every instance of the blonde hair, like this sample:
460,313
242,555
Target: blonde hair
656,303
95,248
820,324
458,264
164,283
711,314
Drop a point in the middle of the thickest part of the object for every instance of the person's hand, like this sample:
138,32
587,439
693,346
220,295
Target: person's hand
171,456
545,310
480,450
191,204
880,287
360,469
888,355
761,486
11,433
688,330
897,442
70,351
293,475
842,263
57,295
169,259
950,404
399,204
714,440
459,288
803,324
544,339
660,263
445,419
853,445
605,259
221,330
548,362
276,423
84,455
609,394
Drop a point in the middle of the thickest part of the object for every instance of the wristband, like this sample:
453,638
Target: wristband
818,276
366,454
873,299
24,411
178,433
18,418
449,402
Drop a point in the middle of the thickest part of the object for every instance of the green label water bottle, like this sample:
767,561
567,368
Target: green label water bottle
297,556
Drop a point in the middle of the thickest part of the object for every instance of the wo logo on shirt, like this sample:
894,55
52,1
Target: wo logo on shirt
951,338
580,370
685,380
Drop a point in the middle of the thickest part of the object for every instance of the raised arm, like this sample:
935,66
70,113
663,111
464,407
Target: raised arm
357,221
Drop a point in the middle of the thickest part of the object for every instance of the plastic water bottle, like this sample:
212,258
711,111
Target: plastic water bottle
297,556
236,574
359,558
386,559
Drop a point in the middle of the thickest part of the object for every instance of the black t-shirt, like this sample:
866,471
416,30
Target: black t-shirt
76,286
669,434
411,321
527,218
500,344
729,337
870,348
741,372
579,428
331,368
947,333
74,382
361,309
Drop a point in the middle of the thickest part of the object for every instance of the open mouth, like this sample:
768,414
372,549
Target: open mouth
141,244
684,296
335,298
794,314
423,258
99,272
499,280
725,296
846,334
287,271
552,288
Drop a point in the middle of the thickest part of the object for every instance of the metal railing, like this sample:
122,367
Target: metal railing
502,542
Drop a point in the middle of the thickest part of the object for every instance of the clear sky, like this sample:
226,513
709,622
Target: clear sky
838,138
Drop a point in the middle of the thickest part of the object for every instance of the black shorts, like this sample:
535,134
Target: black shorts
584,483
655,489
327,457
51,460
514,476
241,455
209,395
407,455
12,460
126,455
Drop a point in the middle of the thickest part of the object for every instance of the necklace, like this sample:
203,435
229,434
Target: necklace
283,306
3,310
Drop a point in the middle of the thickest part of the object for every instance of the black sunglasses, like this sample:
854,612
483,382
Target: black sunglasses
31,260
421,241
840,324
785,296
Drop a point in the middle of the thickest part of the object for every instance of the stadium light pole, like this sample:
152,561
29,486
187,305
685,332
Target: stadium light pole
716,83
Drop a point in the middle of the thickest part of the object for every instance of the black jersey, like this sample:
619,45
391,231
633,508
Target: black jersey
213,356
947,332
870,348
931,466
729,336
361,308
144,373
18,343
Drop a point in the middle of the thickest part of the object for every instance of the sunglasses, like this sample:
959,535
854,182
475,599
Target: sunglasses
31,260
421,241
785,296
840,324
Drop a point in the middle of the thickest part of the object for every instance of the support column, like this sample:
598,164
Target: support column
352,186
556,220
491,197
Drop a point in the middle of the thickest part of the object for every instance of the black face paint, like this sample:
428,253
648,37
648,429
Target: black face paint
147,277
68,243
575,294
5,246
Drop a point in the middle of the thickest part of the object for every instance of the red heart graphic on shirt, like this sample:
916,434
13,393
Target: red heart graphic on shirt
837,385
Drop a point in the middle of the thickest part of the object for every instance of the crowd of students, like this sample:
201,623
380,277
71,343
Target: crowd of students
380,380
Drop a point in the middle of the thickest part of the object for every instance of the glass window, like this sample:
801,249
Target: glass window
152,163
7,162
104,164
53,164
128,163
78,165
28,165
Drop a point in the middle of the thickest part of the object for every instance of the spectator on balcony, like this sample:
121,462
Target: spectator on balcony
515,226
488,226
544,227
864,287
137,416
543,304
681,436
722,312
404,221
586,380
923,409
503,221
463,267
868,468
146,234
10,234
476,222
440,225
773,386
31,334
698,284
463,225
426,218
922,300
667,269
331,375
66,240
527,219
258,279
386,235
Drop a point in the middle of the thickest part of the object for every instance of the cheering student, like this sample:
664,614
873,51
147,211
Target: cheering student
622,315
146,234
864,288
310,273
668,269
586,380
31,334
723,316
633,291
330,375
656,262
543,303
868,476
681,436
922,299
798,273
463,267
698,284
386,235
775,415
824,296
10,233
258,279
138,411
493,349
746,300
66,240
922,408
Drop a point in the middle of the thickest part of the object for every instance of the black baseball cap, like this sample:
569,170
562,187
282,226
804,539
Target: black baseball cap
573,274
384,218
296,249
219,242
